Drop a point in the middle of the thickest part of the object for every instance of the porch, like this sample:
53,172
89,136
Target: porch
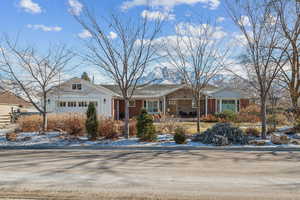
179,108
186,107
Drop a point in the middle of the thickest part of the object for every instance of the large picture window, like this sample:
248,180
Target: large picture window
228,105
152,106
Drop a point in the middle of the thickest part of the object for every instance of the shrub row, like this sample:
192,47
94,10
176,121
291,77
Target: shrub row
250,114
74,124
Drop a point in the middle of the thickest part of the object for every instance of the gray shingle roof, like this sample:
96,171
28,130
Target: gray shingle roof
153,90
148,91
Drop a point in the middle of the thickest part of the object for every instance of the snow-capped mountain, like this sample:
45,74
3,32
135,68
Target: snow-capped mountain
162,75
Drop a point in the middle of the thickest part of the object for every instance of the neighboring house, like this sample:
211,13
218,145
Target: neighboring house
169,99
9,101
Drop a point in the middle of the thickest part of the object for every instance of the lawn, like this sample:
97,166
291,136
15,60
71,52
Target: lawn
191,127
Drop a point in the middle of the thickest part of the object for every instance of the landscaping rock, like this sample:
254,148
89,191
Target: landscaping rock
220,140
217,134
295,141
280,138
285,129
12,137
296,136
258,142
24,139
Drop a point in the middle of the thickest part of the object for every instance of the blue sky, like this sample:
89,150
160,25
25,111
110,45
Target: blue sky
44,22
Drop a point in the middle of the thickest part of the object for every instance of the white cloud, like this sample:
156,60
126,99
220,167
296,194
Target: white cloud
244,21
44,28
220,19
239,39
216,32
112,35
169,4
30,6
75,7
153,15
84,34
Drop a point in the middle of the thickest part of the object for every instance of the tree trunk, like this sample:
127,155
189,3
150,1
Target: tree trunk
44,114
296,111
263,118
126,121
198,117
44,128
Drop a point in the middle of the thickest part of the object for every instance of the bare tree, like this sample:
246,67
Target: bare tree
289,28
30,74
199,55
258,26
122,48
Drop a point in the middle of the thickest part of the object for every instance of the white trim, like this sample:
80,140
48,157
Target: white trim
235,101
165,105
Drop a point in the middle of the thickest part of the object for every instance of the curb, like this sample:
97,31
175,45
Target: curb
153,148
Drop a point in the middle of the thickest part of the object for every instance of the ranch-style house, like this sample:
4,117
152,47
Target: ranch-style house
75,94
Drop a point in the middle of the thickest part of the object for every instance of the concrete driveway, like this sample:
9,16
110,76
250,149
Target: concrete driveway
106,174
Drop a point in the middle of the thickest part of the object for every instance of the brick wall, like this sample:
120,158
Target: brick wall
133,111
244,103
211,106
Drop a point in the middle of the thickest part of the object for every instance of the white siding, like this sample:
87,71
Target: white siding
103,109
88,93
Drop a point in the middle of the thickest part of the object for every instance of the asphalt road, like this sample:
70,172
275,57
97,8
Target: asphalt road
134,174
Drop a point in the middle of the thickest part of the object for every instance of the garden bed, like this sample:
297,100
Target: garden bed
56,139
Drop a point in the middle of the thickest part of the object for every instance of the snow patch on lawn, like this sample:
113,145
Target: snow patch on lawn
55,139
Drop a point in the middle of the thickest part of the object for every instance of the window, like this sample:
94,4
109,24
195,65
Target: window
238,105
172,102
132,103
62,104
152,106
228,105
82,104
76,86
72,104
160,105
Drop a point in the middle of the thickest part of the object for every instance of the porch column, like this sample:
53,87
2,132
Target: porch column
206,102
113,109
235,102
118,109
220,102
165,105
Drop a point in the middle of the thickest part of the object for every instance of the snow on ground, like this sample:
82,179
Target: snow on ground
55,139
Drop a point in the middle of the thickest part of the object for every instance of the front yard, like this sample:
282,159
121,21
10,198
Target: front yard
58,139
69,130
